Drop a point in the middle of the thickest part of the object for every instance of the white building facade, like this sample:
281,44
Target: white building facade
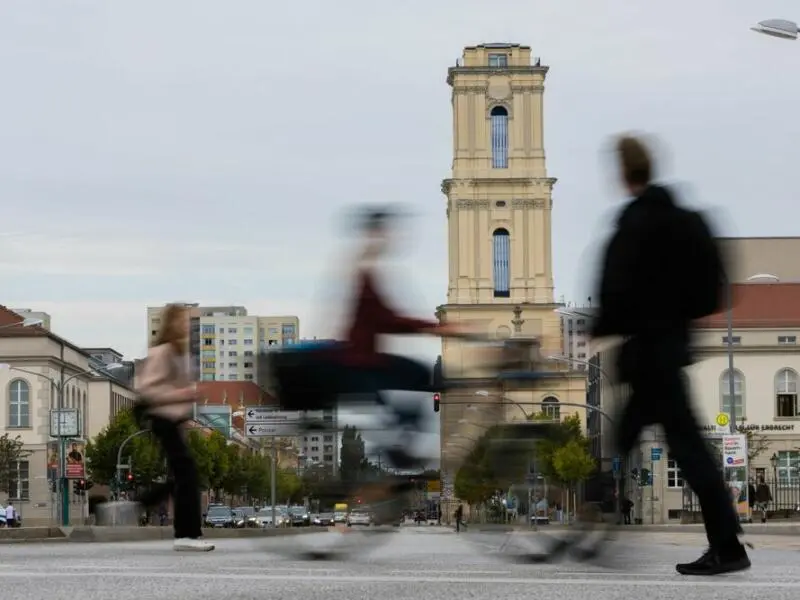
765,403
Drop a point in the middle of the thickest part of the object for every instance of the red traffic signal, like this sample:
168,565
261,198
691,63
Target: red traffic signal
436,399
130,476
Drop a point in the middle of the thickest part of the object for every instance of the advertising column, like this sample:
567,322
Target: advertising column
734,461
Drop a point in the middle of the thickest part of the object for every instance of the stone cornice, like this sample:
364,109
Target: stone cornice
542,182
487,70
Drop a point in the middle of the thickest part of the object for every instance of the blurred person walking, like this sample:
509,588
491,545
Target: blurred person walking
663,269
166,395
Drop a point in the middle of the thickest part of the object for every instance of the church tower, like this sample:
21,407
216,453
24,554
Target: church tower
499,212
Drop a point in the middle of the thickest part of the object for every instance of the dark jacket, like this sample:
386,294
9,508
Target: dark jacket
642,269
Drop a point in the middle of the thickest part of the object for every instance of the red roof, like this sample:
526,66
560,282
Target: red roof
234,393
760,306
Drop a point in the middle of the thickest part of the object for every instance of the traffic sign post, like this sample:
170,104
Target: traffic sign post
265,421
655,454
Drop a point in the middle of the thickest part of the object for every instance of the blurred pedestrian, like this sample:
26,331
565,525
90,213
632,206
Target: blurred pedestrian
663,269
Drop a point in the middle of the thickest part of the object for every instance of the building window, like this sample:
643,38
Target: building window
248,365
233,377
247,331
788,340
551,408
19,481
501,254
233,353
209,364
498,61
328,438
208,341
232,342
248,342
248,353
328,458
19,403
786,394
728,405
207,329
248,377
231,329
674,475
287,330
208,377
736,339
788,468
499,117
232,365
209,354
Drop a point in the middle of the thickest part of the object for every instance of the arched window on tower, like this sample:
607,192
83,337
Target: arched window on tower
499,116
501,254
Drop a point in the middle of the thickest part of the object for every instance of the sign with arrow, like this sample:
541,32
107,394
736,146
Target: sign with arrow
259,413
261,421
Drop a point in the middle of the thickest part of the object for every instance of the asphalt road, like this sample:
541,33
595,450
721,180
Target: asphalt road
414,563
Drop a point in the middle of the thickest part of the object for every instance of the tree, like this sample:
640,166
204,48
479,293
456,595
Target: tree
146,458
572,464
757,443
476,480
353,462
217,447
562,433
12,450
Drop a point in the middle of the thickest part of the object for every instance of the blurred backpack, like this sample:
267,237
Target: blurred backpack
704,266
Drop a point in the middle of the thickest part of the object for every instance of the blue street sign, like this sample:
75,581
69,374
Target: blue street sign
616,464
655,454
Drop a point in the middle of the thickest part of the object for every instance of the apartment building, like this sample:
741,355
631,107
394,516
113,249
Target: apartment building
575,334
225,340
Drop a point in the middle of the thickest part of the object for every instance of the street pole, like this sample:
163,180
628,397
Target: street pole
731,378
62,458
273,484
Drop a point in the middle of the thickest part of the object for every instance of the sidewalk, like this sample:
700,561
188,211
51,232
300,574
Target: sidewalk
132,534
773,528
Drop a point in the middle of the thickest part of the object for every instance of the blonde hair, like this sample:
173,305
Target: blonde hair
170,333
635,160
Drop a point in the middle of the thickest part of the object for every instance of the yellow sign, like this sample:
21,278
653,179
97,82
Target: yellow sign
434,486
723,420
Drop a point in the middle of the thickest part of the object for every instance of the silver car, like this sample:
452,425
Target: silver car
359,517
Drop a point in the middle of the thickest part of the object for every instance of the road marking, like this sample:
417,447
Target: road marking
708,582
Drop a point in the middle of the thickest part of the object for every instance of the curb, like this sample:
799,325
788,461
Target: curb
98,534
749,529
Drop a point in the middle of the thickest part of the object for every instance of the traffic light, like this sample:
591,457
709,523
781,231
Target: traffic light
79,487
645,477
436,400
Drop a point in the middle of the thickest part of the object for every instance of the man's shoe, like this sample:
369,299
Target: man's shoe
716,562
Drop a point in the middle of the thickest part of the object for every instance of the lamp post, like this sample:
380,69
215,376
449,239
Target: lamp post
779,28
23,323
60,386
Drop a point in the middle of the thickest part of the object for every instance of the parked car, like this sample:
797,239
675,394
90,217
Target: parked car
244,516
263,518
340,517
324,520
359,517
299,517
219,516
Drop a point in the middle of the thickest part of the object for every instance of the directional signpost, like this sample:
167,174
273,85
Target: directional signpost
264,421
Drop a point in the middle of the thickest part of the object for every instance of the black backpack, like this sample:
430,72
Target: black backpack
704,266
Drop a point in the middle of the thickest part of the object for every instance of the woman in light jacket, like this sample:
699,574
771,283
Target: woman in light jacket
166,397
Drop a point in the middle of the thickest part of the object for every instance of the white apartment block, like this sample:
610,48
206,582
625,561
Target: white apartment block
225,340
575,326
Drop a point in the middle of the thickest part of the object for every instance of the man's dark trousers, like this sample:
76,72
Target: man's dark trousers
654,370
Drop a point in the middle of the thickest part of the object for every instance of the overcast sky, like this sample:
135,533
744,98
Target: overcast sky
201,150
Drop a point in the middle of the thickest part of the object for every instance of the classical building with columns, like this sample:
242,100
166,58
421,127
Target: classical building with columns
499,209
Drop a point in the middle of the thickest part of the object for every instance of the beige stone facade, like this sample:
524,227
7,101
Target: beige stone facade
33,365
499,209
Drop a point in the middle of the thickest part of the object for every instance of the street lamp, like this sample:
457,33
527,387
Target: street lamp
27,322
773,461
60,386
779,28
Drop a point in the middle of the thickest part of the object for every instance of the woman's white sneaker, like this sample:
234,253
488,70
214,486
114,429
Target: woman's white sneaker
192,545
